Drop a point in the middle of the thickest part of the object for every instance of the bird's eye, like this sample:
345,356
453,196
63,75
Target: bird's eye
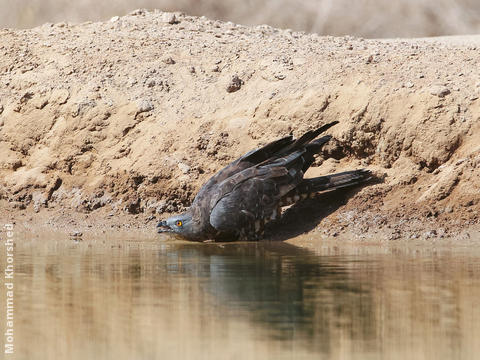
179,223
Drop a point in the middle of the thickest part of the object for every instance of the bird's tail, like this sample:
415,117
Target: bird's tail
310,187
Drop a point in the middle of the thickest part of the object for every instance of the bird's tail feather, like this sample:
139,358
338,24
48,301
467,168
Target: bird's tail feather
335,181
310,187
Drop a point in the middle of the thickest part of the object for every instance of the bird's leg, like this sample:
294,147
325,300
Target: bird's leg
259,230
253,230
243,234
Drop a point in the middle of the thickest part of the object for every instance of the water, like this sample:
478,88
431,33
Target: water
164,299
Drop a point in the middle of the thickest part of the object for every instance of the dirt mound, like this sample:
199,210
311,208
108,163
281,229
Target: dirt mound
367,18
132,115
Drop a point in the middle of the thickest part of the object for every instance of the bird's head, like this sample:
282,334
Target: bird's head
180,224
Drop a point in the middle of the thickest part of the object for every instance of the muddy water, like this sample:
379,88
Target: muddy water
163,299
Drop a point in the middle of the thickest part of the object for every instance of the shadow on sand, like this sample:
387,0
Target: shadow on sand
306,215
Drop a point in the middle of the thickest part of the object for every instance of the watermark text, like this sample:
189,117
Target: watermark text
9,247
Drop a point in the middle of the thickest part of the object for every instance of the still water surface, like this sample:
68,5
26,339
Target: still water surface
163,299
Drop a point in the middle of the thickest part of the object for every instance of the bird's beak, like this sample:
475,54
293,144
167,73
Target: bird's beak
163,227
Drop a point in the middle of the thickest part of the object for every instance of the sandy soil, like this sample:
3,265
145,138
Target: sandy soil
111,125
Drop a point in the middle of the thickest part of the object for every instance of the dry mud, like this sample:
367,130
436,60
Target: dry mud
112,125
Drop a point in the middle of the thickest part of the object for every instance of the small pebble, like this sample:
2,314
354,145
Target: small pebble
235,84
184,168
439,90
169,18
144,105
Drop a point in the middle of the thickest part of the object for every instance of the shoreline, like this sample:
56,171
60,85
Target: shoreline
79,227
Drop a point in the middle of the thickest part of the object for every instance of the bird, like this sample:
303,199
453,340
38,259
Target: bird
237,202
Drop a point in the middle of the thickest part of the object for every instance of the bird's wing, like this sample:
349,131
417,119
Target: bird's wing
252,158
255,192
272,150
264,156
306,139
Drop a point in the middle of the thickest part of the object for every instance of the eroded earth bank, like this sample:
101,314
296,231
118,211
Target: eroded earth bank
109,126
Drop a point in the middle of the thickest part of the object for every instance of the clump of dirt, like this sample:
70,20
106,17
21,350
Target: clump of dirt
125,119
